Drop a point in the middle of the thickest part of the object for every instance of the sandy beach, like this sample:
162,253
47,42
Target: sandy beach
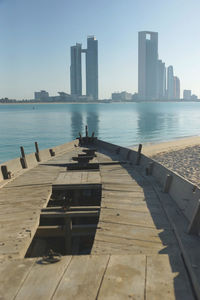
181,156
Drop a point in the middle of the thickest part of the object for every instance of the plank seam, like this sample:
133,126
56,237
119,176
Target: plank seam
102,278
138,225
133,239
126,209
22,283
65,270
145,281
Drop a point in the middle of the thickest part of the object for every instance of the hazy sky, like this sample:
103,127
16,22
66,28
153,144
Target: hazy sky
36,35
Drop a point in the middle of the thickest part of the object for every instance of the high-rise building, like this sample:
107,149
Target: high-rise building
147,64
92,67
75,70
170,83
176,87
161,80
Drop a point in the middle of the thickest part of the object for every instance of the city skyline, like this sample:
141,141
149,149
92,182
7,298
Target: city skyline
35,38
155,82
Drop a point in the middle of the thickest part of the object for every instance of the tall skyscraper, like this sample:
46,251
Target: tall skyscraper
75,70
170,83
176,87
161,80
92,67
147,64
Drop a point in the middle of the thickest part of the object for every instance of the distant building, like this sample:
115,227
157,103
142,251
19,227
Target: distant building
135,97
75,70
176,88
41,96
123,96
161,80
170,83
194,97
92,67
147,64
64,97
187,94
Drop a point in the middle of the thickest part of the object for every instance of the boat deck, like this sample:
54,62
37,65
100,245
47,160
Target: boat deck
135,253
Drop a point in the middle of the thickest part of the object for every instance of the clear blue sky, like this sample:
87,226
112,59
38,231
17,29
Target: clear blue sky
36,35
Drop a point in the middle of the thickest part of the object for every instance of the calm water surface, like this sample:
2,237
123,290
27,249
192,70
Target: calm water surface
124,124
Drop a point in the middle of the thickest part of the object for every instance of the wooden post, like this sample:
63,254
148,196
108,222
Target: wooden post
22,151
37,153
52,152
139,154
128,155
23,158
80,139
194,226
167,184
36,147
86,131
6,174
149,169
68,230
151,164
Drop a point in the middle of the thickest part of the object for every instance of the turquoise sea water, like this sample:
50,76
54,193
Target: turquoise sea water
122,123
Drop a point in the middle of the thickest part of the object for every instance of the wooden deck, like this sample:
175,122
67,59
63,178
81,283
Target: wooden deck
135,253
77,180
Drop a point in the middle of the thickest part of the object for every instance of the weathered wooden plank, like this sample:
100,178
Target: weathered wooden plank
76,186
72,214
50,231
167,278
106,247
165,237
82,278
42,280
139,206
77,179
133,243
124,278
70,208
13,274
156,220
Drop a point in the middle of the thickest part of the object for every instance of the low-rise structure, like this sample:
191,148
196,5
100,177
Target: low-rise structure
123,96
41,96
194,97
187,95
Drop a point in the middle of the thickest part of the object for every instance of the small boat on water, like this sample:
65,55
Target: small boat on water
93,220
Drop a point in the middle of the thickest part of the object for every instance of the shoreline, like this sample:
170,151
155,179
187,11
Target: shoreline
107,101
160,148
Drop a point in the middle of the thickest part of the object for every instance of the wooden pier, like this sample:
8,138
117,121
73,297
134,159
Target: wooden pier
118,240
